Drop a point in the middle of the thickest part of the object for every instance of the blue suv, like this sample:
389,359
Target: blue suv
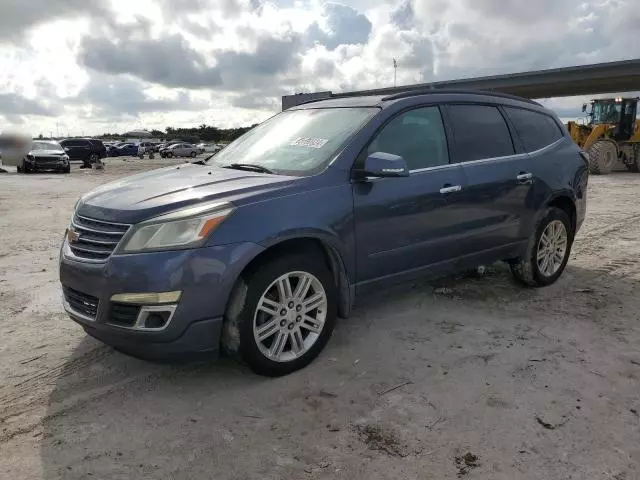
259,249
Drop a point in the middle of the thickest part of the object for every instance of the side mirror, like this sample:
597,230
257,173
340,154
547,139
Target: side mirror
584,108
381,164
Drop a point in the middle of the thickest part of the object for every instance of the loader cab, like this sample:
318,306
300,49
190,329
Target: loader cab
618,112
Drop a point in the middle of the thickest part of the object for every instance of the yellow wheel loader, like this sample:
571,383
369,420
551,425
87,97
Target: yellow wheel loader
610,134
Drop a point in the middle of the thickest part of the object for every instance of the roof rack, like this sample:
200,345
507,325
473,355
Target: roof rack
444,91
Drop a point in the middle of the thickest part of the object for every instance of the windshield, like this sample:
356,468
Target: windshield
46,146
296,142
606,112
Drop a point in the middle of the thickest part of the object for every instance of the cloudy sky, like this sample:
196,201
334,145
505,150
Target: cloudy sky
89,66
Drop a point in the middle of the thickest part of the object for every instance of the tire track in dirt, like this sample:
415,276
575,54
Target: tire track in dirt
21,395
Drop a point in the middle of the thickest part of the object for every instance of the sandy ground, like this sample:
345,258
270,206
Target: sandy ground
468,377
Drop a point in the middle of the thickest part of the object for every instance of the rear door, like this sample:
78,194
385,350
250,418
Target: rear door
498,177
548,150
405,226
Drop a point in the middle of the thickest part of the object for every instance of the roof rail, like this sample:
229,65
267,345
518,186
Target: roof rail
444,91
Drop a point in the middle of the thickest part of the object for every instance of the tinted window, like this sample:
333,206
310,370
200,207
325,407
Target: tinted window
536,130
74,143
417,136
479,132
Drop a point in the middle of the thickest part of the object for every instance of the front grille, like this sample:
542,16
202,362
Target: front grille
48,159
123,315
96,239
81,302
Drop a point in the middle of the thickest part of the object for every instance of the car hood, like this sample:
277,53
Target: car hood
46,152
149,194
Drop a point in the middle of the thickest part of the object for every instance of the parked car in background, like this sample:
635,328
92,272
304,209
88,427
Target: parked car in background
45,155
179,150
123,150
277,235
88,150
208,148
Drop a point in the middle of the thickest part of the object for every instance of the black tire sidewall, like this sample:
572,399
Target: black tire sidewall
551,215
194,154
257,283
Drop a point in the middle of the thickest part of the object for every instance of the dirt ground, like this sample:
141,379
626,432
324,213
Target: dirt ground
471,377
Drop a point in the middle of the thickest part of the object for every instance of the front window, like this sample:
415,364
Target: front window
606,112
296,142
46,146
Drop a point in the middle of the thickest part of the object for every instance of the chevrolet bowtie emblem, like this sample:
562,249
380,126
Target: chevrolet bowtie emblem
72,235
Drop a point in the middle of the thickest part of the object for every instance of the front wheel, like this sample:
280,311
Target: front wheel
288,314
547,252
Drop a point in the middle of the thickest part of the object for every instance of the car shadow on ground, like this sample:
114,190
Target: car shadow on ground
416,355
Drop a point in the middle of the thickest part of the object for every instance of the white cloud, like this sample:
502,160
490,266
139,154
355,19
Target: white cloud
92,65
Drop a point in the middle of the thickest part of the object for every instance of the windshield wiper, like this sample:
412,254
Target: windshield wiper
248,166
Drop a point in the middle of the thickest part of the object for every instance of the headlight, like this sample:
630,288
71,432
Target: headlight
186,228
65,158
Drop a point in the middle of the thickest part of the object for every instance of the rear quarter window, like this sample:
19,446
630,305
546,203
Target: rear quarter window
479,132
536,130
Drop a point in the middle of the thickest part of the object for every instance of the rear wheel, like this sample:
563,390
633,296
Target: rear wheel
547,252
602,157
193,154
288,315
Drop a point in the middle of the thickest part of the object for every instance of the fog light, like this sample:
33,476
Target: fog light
156,320
151,298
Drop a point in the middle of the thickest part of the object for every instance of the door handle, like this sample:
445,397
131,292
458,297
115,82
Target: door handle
524,177
450,189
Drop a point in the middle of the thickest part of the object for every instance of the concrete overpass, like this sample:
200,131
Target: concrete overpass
611,77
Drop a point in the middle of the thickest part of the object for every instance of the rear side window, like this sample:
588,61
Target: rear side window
479,131
536,130
73,143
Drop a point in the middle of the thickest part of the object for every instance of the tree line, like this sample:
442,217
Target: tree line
203,133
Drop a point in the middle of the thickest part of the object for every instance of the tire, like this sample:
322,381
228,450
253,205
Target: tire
168,155
193,154
602,157
528,269
26,168
67,169
261,286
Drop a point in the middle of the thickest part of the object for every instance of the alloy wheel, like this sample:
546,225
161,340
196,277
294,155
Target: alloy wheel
290,316
552,248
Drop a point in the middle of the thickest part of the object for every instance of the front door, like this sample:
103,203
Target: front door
405,225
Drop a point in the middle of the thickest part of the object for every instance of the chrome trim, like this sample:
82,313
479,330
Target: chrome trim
143,314
74,313
516,156
87,229
98,242
102,221
68,254
451,189
524,176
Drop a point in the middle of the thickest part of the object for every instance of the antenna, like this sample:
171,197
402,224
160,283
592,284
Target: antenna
395,71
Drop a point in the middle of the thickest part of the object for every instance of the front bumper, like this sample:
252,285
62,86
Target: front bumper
48,164
205,276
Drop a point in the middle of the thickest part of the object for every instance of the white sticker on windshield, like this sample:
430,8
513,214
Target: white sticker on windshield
309,142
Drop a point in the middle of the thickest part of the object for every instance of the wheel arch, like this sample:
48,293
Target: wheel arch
565,202
307,242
